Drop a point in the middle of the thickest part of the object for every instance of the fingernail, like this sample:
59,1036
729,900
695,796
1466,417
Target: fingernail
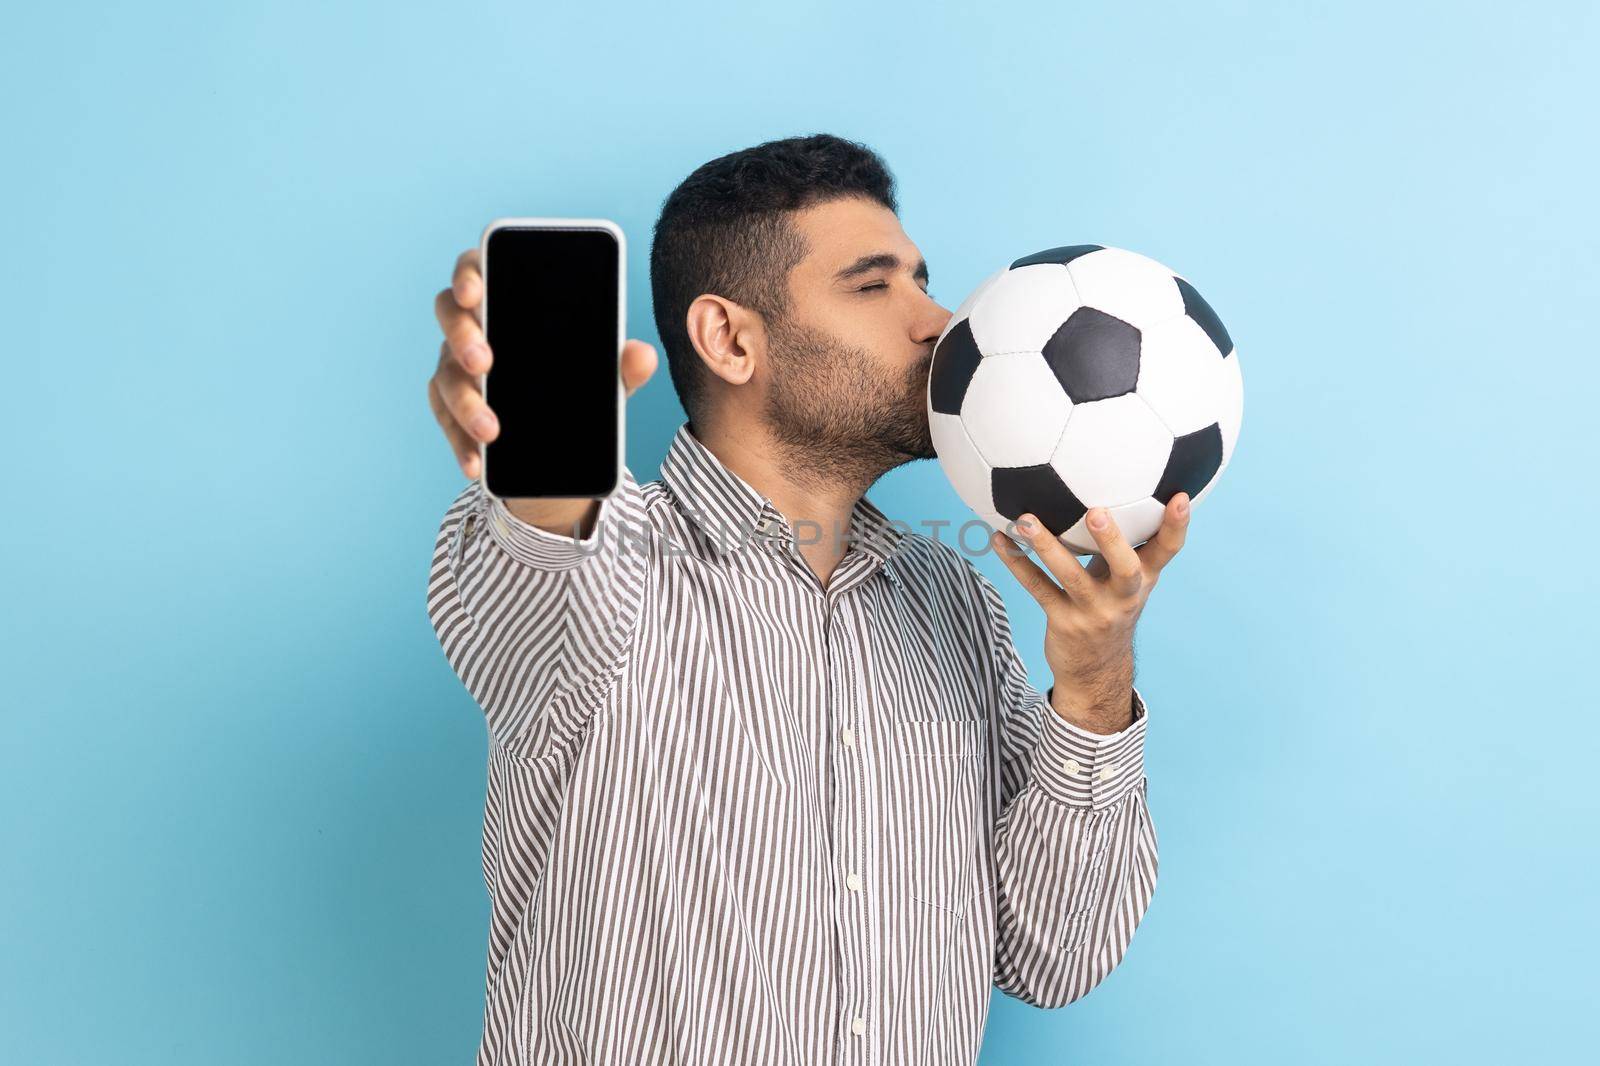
1097,519
1183,506
482,423
475,355
1025,524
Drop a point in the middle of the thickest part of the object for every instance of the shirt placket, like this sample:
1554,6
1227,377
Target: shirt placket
849,916
854,894
857,893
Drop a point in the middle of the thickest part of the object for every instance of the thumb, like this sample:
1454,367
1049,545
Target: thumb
638,363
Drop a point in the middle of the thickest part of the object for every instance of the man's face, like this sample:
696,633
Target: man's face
849,366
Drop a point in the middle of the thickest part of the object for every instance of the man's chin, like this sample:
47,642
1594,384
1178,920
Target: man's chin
923,446
924,449
914,450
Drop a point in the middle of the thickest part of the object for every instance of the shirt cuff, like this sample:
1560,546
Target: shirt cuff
542,549
1089,770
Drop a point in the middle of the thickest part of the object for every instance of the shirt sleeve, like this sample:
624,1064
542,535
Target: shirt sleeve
1075,847
537,624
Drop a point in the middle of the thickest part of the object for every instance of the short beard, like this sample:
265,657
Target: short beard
836,418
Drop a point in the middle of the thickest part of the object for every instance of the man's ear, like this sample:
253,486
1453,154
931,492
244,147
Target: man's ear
729,337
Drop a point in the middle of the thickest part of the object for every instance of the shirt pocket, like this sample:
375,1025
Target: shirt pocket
950,737
944,763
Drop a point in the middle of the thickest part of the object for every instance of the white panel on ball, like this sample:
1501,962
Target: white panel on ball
1113,451
1138,522
962,464
1015,409
1181,375
1126,285
1023,309
1232,412
964,308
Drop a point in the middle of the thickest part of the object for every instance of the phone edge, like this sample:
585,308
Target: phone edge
482,313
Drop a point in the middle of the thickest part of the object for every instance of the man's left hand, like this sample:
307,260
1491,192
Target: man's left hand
1091,611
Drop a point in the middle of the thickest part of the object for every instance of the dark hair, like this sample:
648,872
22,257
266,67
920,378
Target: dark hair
727,229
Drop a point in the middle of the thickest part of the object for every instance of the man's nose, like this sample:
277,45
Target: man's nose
937,321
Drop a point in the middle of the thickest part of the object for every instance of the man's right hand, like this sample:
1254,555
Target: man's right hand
464,415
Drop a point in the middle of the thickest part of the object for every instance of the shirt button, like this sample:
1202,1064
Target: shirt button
858,1025
1108,771
853,882
849,736
1071,766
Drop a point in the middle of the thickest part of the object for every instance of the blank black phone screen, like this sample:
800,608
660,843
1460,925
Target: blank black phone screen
552,328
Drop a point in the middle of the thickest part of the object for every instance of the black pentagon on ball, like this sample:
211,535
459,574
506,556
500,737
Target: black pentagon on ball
1094,355
1196,457
1063,255
1038,489
954,362
1195,306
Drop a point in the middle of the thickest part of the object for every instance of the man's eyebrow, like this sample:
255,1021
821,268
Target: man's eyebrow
880,261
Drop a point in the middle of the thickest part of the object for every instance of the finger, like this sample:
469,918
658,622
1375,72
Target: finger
638,363
464,447
463,399
467,281
462,333
1124,570
1097,567
1034,581
1158,551
1063,565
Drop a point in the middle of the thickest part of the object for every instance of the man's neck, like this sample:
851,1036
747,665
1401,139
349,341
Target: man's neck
819,510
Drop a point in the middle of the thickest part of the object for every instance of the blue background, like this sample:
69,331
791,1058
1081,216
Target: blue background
240,790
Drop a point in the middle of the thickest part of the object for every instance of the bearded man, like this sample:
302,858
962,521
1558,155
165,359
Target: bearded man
767,781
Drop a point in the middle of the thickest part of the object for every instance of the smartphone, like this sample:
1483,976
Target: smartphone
553,313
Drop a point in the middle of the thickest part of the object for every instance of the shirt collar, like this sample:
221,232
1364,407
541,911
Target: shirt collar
731,513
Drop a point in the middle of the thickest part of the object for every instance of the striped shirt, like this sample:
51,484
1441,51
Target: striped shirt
735,816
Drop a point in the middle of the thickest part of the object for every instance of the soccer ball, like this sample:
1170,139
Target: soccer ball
1081,377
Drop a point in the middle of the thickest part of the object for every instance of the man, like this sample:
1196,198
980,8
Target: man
767,782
